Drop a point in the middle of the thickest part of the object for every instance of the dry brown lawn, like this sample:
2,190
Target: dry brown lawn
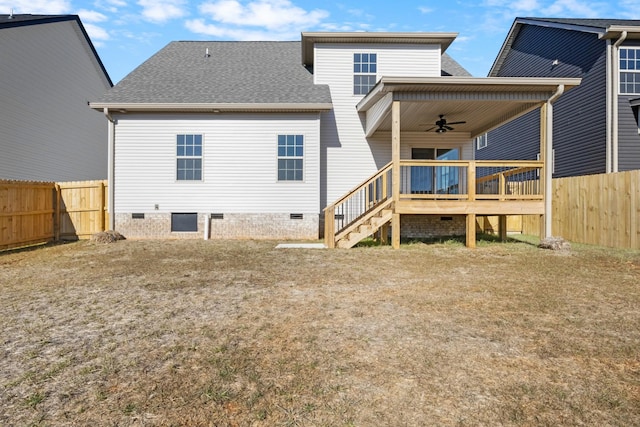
210,333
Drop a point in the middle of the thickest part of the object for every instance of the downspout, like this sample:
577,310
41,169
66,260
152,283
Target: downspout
110,168
610,89
548,162
614,101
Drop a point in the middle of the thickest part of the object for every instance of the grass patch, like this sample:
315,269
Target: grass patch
240,333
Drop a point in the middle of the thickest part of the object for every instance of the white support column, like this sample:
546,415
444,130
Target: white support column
395,175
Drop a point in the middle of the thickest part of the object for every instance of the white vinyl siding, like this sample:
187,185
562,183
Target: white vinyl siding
410,140
239,164
47,76
348,156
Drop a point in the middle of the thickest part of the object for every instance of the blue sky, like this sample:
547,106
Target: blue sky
126,33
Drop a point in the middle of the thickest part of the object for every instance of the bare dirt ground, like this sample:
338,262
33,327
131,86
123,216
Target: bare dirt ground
209,333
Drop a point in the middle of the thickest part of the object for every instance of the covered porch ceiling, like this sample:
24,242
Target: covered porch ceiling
483,103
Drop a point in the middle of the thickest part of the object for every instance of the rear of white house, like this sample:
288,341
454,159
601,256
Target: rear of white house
254,139
252,175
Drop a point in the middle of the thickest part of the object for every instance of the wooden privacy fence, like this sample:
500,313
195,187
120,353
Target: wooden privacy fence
599,210
40,212
26,213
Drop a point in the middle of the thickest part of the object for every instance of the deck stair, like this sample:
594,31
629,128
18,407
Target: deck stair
365,226
360,212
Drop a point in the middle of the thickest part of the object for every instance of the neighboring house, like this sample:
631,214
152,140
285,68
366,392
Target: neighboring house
49,70
596,125
256,139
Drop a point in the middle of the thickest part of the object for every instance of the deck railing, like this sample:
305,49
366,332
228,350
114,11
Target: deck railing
452,180
462,180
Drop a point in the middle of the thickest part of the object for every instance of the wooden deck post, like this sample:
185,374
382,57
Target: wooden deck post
395,171
502,227
395,231
471,231
471,218
329,227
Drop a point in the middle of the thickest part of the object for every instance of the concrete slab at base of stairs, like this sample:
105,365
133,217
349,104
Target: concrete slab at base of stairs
301,246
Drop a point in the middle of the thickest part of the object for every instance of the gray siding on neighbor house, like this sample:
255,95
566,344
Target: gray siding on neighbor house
579,115
628,138
516,140
48,73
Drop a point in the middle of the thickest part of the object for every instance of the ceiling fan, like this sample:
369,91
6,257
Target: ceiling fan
443,126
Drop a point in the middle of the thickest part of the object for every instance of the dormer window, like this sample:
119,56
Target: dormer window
364,72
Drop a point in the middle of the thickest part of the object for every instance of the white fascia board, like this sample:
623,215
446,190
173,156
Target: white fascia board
489,84
615,31
209,108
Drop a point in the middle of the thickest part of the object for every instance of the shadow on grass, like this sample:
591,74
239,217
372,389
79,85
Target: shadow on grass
481,239
35,247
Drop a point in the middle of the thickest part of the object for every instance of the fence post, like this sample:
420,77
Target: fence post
56,216
102,207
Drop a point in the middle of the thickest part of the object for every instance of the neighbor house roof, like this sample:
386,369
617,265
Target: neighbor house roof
253,75
24,20
604,28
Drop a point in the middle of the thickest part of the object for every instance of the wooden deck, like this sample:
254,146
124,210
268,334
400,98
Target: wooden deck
434,187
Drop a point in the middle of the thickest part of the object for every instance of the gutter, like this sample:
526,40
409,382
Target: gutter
110,167
211,107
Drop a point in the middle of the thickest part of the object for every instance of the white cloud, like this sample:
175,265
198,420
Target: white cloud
630,9
91,16
224,32
424,9
524,5
37,7
161,11
110,5
574,8
96,33
271,14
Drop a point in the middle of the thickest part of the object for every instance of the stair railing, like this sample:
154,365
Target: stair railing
356,203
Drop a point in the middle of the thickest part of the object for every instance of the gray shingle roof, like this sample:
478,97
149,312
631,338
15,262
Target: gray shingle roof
451,68
234,72
585,22
7,21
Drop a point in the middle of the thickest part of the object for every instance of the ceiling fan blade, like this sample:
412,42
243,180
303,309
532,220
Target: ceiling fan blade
447,127
430,129
456,123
